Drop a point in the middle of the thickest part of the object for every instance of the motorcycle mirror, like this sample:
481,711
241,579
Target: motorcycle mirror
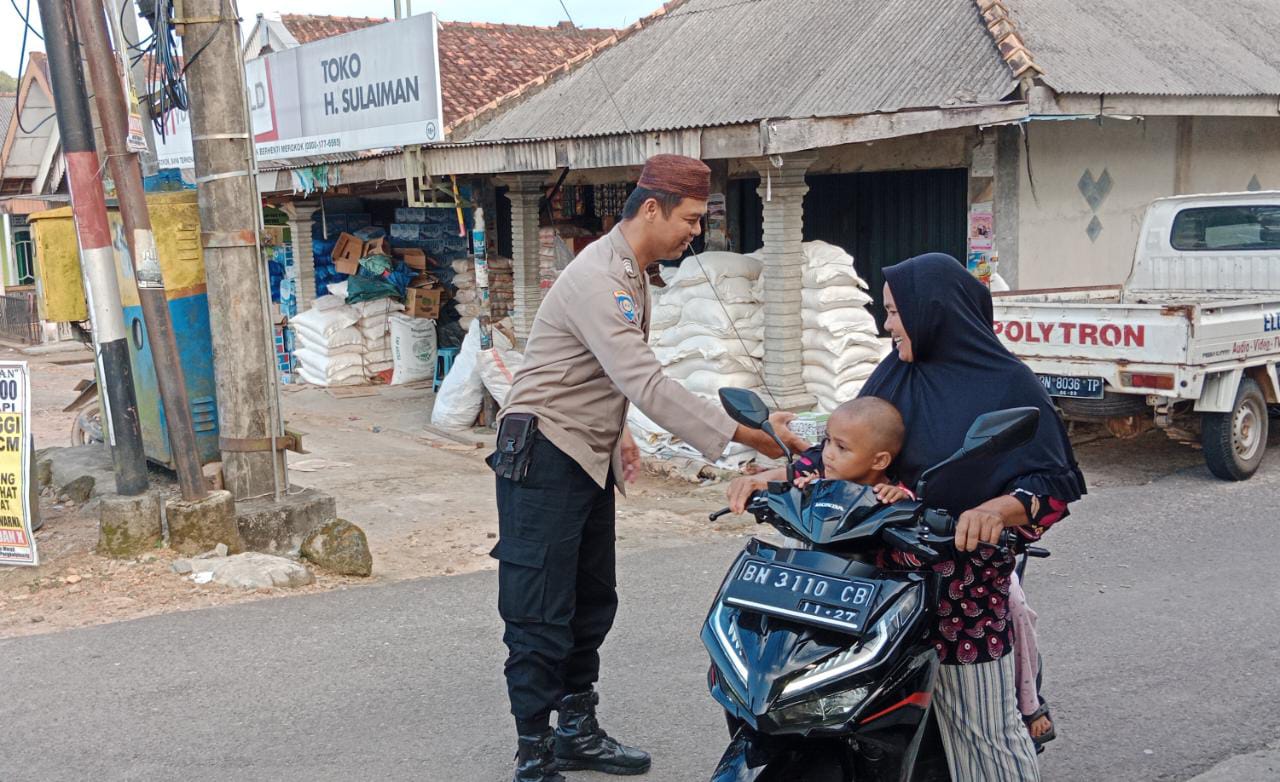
745,407
1001,430
995,432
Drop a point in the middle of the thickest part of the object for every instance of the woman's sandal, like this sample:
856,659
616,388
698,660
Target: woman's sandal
1048,735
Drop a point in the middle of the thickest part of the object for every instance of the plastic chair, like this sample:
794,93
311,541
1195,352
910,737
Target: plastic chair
444,362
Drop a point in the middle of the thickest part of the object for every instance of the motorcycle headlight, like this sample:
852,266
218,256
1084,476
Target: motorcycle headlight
726,634
846,662
830,710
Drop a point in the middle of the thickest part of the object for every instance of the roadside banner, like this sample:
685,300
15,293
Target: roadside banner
17,544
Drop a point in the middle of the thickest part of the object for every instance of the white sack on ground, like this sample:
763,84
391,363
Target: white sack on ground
654,441
367,309
315,340
820,376
725,364
714,267
835,363
326,322
840,338
817,339
459,399
675,335
833,297
328,302
839,322
707,347
498,366
730,290
413,349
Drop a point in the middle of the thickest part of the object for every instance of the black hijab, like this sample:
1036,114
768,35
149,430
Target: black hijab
960,370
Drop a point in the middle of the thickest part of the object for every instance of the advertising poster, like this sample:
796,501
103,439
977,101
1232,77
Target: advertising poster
17,545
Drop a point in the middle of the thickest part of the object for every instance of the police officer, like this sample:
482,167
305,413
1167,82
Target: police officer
563,448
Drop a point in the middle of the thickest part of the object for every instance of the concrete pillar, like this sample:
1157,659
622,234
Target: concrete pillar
1009,151
300,213
525,194
782,189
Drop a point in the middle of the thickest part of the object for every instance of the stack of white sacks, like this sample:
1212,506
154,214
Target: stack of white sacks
841,343
376,333
330,349
706,343
341,344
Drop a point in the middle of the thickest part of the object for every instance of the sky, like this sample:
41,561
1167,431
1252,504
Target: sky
586,13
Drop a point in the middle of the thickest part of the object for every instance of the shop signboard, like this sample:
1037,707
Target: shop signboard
17,544
370,89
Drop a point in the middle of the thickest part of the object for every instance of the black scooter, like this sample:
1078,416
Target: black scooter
818,657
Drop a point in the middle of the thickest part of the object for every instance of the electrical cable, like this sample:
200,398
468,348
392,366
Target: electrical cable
22,61
26,18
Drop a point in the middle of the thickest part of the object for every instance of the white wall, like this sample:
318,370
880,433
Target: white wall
1227,152
1141,156
1054,249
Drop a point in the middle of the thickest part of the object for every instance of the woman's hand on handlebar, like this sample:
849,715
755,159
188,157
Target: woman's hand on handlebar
978,525
987,522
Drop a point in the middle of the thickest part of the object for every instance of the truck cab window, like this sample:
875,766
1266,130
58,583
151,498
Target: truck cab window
1227,228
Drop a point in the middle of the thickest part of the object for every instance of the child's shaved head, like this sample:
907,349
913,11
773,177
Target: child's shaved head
876,419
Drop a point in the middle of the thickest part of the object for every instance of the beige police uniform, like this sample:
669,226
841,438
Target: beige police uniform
588,357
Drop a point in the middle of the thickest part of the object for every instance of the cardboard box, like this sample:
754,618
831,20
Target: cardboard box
412,257
274,234
423,302
377,246
347,254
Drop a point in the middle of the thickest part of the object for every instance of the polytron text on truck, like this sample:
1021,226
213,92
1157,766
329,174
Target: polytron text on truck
1189,343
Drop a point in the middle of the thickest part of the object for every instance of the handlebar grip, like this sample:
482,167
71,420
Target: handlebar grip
719,513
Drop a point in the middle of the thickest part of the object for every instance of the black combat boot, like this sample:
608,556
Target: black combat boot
536,759
580,744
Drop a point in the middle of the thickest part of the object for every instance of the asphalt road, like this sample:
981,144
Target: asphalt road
1159,619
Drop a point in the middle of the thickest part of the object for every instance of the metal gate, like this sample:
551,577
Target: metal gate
20,318
879,218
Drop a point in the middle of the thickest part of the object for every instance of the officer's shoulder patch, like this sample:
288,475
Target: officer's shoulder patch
626,304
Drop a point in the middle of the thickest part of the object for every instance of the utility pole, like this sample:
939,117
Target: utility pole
113,114
97,262
230,214
124,29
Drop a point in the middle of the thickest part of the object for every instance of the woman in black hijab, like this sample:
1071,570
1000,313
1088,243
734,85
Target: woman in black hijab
948,367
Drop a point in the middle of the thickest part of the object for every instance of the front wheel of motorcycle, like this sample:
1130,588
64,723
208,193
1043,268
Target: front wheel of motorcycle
87,428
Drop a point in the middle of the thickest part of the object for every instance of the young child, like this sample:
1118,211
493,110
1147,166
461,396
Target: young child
864,436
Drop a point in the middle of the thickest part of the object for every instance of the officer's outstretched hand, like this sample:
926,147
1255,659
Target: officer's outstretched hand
780,421
630,457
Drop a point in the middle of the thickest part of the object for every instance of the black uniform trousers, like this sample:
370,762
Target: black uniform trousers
556,581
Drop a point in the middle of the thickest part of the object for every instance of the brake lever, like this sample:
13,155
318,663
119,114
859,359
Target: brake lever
910,543
722,512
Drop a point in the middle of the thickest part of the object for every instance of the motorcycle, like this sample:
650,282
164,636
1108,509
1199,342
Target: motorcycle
819,658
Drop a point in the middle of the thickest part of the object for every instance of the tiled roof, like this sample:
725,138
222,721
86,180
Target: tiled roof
479,62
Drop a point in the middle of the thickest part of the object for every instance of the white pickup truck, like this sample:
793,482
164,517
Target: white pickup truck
1189,343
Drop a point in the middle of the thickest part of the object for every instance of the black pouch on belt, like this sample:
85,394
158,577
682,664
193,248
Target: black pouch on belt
515,442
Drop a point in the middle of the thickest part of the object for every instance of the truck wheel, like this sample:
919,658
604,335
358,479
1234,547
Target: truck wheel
1234,442
1111,405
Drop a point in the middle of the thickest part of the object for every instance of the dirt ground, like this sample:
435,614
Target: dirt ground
425,502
